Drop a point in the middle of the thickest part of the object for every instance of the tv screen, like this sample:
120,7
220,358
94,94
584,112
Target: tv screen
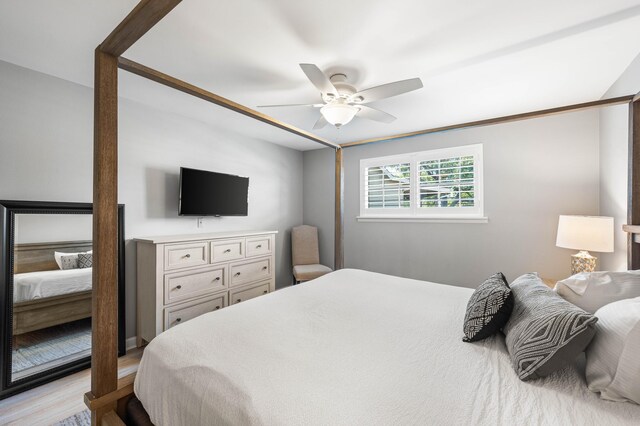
204,193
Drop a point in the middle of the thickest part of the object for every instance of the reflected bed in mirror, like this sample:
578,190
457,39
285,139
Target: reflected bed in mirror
47,289
51,306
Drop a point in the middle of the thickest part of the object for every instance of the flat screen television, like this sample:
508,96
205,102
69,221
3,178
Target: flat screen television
204,193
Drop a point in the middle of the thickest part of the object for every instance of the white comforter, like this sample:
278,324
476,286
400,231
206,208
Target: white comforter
42,284
353,348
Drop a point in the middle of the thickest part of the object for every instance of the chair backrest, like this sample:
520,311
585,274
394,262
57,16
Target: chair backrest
304,245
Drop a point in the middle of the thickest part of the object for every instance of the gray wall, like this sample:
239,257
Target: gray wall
534,170
319,193
614,137
614,134
46,145
46,228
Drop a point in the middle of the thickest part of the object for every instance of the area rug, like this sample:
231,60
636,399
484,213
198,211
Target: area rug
41,347
82,418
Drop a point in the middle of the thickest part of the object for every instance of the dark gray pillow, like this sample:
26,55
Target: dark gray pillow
544,332
488,309
85,260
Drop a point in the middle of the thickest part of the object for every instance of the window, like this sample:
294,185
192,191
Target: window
429,185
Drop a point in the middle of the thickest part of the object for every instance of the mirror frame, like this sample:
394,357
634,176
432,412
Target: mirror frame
8,210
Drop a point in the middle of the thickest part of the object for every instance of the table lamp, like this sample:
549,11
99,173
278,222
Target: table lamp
585,233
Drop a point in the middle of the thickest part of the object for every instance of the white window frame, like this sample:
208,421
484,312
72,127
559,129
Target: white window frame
415,213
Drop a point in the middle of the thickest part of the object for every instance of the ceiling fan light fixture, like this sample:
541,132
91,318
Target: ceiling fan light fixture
339,114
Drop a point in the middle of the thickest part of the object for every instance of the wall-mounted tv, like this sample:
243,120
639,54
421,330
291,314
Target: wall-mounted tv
204,193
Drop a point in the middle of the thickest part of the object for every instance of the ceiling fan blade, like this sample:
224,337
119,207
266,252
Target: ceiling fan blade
320,123
374,114
387,90
319,79
290,105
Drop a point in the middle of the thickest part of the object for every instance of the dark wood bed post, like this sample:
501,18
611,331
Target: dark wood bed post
104,359
104,344
633,187
338,261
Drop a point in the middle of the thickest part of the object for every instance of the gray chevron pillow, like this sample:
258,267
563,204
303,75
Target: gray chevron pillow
544,332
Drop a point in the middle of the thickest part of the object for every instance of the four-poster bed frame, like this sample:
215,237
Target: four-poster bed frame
108,395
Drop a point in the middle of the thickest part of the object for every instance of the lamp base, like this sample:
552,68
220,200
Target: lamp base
583,262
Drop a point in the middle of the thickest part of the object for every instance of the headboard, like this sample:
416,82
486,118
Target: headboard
34,257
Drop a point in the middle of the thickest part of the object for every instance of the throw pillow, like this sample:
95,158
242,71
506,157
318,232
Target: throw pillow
85,260
488,309
613,364
69,262
593,290
544,332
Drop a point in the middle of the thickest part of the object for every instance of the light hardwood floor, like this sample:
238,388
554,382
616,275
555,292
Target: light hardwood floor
57,400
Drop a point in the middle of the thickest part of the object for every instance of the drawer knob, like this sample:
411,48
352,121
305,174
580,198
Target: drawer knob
217,307
187,255
239,300
178,287
227,251
264,268
178,319
237,274
265,292
259,246
217,279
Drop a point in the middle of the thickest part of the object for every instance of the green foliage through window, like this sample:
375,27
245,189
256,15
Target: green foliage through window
447,182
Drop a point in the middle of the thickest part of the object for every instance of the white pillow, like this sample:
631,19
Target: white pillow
57,255
592,290
613,357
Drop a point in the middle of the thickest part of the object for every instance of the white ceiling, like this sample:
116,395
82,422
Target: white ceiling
477,59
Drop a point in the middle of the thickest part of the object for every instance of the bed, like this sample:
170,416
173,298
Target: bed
344,349
44,295
44,284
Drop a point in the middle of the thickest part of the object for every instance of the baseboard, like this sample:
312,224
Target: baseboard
130,343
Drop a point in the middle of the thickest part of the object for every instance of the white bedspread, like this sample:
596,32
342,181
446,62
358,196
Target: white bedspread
42,284
353,348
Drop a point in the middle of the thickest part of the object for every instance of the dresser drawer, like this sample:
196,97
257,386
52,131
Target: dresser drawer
246,272
244,294
178,256
187,285
259,246
222,251
181,313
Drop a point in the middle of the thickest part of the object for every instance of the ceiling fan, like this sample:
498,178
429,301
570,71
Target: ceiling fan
342,102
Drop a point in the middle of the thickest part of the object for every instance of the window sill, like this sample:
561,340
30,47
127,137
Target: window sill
422,219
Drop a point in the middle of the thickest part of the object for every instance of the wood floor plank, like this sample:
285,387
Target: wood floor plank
57,400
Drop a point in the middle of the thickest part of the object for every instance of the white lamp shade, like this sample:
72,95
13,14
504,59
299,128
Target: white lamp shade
339,114
591,233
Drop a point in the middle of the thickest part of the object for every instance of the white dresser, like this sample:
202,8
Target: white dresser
182,276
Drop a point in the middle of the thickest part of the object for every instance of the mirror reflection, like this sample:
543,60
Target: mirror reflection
51,292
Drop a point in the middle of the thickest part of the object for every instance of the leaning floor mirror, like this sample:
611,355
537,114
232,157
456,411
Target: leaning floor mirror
46,279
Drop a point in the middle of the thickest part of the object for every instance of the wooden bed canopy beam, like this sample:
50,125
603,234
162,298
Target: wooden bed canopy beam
498,120
141,19
174,83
